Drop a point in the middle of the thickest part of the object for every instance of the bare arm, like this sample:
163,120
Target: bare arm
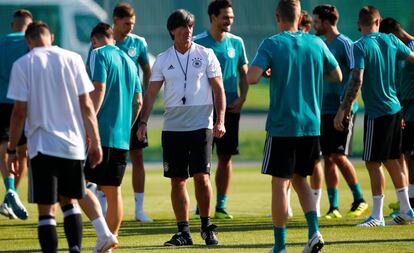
220,105
136,107
16,129
244,87
350,96
334,75
91,126
146,70
254,74
149,99
97,95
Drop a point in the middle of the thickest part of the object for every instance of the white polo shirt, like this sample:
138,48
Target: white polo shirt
197,111
50,80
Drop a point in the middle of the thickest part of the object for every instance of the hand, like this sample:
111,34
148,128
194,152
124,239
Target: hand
219,130
142,130
12,163
94,154
236,106
339,118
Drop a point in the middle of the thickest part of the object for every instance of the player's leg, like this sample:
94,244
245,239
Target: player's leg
316,182
22,169
332,181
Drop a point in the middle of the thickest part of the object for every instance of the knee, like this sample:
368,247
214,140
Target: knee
201,179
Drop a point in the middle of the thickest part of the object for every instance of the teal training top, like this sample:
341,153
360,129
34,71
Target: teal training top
406,87
12,47
377,54
111,66
298,61
136,48
231,54
333,93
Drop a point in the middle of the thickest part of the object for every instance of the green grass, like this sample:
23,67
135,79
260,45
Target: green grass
250,231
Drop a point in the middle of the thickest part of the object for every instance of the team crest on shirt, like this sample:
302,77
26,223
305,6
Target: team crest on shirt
231,52
196,62
132,52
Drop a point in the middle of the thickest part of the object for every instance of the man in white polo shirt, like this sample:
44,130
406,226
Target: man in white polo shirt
51,92
190,73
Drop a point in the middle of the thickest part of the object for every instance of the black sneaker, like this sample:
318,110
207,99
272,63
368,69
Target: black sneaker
180,239
209,234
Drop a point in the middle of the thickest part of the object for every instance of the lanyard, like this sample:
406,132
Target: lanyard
184,72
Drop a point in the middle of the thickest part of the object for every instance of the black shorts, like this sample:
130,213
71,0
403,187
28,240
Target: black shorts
408,139
6,111
229,143
333,141
52,176
285,156
382,138
187,153
134,143
111,170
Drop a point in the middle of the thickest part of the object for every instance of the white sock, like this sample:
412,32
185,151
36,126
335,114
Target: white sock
402,195
378,203
102,200
290,212
139,202
411,190
101,227
317,194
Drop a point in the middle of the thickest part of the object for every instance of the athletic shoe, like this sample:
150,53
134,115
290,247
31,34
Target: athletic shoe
222,214
372,222
180,239
7,211
333,213
282,251
16,204
105,244
142,217
403,218
394,206
209,235
394,213
358,207
315,244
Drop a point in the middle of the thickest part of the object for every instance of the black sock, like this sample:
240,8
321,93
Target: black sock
46,232
73,227
183,226
412,202
205,222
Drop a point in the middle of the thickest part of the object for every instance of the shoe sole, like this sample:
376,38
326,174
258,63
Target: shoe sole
20,212
317,247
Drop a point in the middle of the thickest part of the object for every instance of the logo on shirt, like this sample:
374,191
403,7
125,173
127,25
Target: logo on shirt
132,52
196,62
231,52
166,167
170,67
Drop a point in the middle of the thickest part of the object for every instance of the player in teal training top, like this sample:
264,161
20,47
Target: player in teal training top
373,69
231,54
298,62
12,47
336,145
117,100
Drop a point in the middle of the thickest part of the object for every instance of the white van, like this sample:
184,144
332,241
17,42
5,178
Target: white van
71,21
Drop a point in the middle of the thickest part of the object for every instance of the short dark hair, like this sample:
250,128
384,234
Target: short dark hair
390,25
306,19
22,13
368,14
22,18
179,18
36,29
327,12
215,6
288,10
123,10
102,30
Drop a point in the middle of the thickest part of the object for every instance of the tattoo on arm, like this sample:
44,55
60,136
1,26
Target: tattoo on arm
353,89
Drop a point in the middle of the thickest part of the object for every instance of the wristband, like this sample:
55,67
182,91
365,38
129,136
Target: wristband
11,151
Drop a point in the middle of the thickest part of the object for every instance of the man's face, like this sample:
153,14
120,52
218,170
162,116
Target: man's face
124,25
183,34
318,25
224,20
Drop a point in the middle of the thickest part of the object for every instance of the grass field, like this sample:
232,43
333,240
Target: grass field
250,231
